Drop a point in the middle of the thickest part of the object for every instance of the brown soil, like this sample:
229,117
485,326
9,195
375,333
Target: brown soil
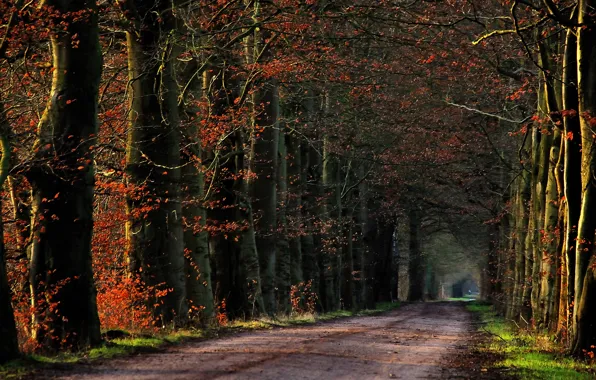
417,341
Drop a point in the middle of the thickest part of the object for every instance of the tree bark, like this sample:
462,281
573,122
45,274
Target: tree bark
9,345
331,251
584,331
283,262
572,168
296,222
417,265
62,180
154,229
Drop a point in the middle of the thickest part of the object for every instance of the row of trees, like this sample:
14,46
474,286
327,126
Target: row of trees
543,268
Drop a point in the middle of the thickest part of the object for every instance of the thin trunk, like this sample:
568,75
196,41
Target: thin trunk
572,168
310,178
295,217
283,269
539,183
331,252
348,292
551,238
368,228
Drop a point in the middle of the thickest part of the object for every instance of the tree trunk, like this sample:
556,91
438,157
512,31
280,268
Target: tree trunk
310,178
417,264
551,239
295,218
154,229
62,180
584,331
572,168
283,269
348,292
9,346
331,254
521,252
539,182
199,290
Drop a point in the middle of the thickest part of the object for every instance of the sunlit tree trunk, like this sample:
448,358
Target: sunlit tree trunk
510,254
541,166
572,167
367,236
62,180
551,239
521,252
584,331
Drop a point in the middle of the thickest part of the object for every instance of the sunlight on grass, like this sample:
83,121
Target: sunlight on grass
134,344
530,356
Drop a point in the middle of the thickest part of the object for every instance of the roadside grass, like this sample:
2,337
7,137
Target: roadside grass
462,299
527,355
133,344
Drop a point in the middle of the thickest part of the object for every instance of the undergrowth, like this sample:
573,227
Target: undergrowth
131,344
528,355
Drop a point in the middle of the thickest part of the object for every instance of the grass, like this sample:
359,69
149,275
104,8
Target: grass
134,344
464,299
527,355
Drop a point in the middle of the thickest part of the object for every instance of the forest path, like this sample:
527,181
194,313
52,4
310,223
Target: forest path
415,341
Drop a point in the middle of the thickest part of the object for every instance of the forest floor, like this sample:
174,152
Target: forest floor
416,341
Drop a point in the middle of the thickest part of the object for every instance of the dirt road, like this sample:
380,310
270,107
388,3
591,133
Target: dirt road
412,342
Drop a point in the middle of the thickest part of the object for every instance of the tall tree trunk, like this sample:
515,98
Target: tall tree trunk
9,346
539,183
283,262
154,229
263,188
348,291
62,180
384,262
551,247
572,182
368,229
521,245
310,178
584,331
331,254
295,218
199,290
417,265
263,162
252,281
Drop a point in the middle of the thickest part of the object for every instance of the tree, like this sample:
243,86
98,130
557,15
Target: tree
154,228
62,180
